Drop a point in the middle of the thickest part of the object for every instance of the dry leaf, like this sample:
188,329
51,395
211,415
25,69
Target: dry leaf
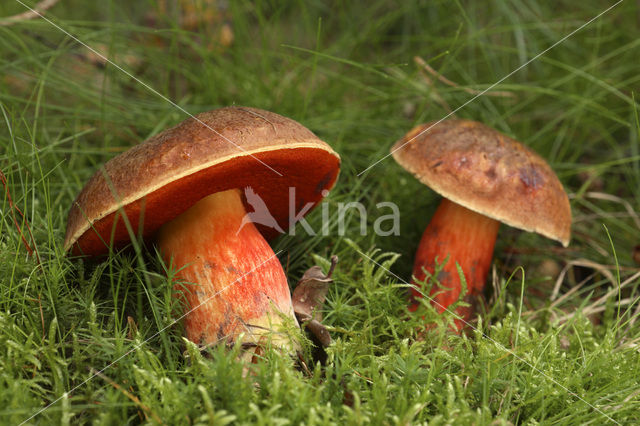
308,299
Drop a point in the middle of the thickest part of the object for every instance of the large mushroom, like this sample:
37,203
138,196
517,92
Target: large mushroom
485,178
187,188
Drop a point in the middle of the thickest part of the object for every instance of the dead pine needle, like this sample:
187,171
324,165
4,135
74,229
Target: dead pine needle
132,397
610,197
31,250
603,269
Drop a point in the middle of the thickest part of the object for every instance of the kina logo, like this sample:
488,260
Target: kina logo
260,214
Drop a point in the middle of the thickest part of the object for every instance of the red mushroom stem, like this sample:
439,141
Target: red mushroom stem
467,238
227,274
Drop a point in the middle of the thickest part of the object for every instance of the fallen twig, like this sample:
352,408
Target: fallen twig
498,93
429,82
33,13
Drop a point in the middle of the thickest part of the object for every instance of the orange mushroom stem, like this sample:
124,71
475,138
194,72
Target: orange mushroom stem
227,274
466,238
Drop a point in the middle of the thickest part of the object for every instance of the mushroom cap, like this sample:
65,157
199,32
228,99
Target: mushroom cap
490,173
162,177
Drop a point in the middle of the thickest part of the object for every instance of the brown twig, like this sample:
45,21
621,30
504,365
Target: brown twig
13,209
429,82
132,397
35,12
498,93
366,379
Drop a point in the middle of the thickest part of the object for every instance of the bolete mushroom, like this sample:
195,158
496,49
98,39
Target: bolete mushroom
485,178
184,187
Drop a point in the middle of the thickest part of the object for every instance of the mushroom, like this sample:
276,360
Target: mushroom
485,178
185,187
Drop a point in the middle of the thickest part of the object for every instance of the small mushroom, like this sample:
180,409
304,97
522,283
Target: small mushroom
485,178
184,188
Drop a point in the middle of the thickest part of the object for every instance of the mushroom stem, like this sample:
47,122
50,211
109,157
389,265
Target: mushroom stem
227,275
467,238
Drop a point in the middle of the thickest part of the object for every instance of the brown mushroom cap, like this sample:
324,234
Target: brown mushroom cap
162,177
489,173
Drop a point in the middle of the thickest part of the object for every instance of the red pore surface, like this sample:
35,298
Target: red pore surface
467,238
227,274
307,171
